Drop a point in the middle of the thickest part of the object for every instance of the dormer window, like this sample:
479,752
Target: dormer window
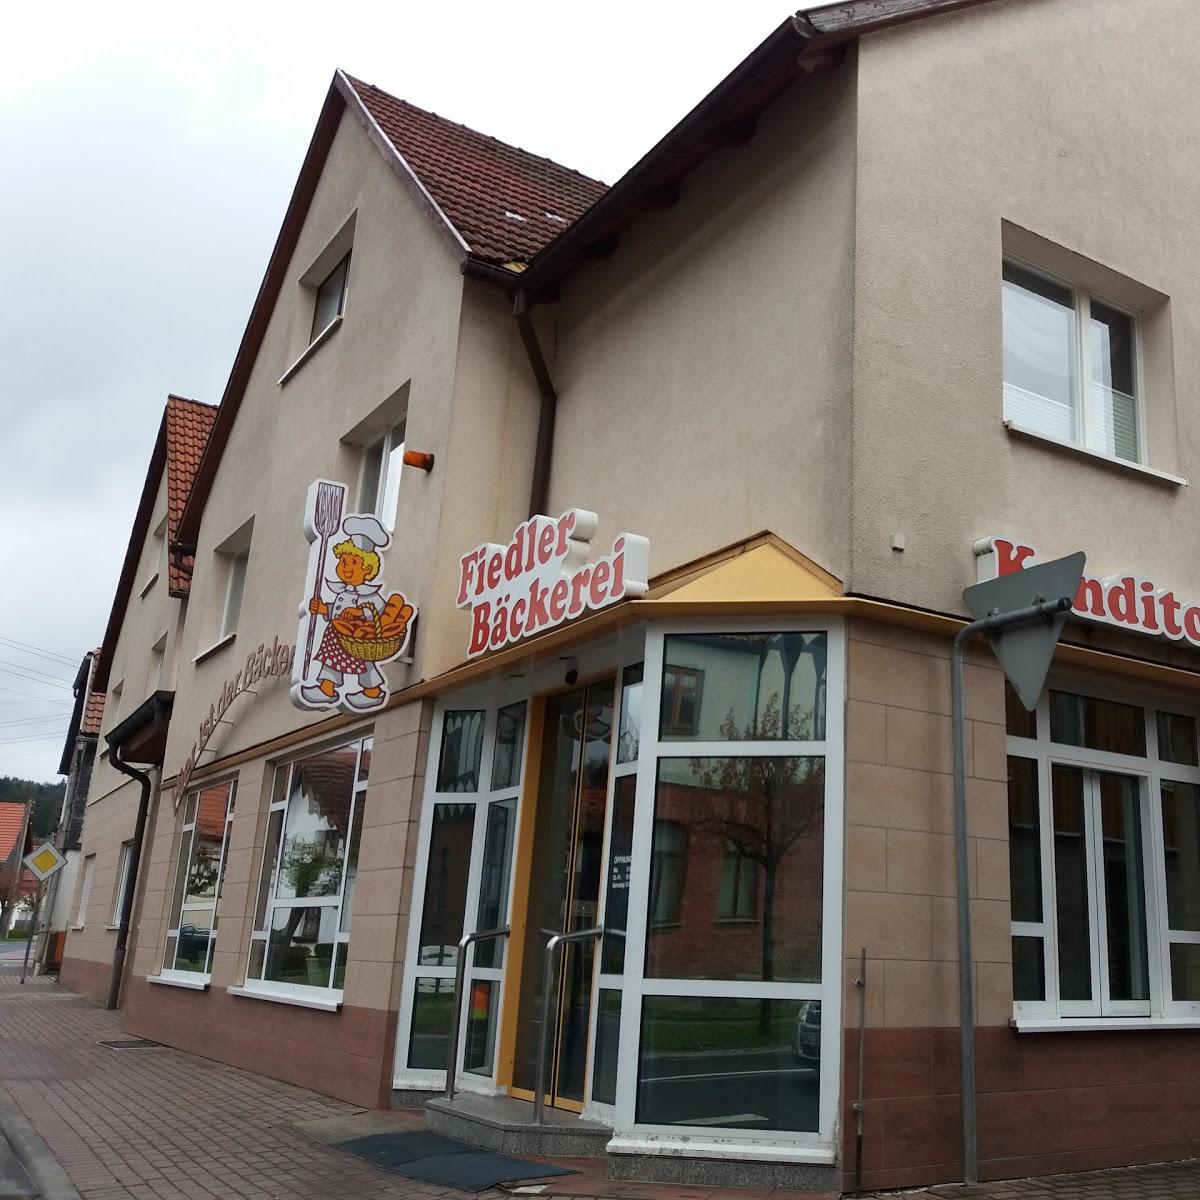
331,299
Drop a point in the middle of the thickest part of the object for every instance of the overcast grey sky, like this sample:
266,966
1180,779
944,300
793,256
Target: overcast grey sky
149,151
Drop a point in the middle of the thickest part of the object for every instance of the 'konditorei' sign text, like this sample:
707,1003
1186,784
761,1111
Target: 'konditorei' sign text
1125,600
542,578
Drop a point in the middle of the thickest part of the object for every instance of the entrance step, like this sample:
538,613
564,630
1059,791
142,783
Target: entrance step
807,1178
505,1124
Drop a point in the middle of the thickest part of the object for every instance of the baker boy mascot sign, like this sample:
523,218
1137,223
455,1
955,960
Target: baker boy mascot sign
349,623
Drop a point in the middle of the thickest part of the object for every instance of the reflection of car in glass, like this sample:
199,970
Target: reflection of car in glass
806,1037
193,944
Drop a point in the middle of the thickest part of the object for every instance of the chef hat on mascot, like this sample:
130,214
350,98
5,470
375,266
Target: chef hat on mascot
367,531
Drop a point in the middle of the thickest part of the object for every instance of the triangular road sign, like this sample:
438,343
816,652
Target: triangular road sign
1025,650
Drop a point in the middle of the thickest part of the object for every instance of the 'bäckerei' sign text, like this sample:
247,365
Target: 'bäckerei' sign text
542,578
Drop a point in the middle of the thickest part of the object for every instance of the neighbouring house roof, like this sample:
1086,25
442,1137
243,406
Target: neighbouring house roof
469,182
14,831
178,450
505,203
188,425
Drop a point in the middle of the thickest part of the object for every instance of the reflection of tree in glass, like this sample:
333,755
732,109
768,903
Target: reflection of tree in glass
309,868
762,806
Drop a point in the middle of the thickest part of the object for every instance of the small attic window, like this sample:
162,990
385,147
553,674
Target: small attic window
331,298
512,216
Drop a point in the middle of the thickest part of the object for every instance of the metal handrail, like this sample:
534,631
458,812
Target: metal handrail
460,971
559,939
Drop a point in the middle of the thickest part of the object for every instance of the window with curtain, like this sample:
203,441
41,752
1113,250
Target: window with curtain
1070,365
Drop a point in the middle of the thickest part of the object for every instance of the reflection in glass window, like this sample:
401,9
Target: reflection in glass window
629,740
1097,724
1024,840
608,1041
306,884
1181,844
1177,739
732,1063
446,883
493,879
772,810
1071,882
433,1003
620,858
668,861
737,889
207,813
462,748
510,745
744,687
480,1039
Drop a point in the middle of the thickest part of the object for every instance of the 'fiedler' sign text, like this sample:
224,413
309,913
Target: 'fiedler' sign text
542,578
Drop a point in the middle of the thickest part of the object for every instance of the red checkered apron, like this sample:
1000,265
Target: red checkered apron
333,654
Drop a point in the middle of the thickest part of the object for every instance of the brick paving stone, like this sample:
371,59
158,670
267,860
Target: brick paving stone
163,1125
1158,1181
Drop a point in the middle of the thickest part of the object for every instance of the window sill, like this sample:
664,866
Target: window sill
317,1002
224,641
198,983
313,346
148,585
1108,460
1101,1024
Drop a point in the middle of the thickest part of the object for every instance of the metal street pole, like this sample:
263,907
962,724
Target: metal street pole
992,623
33,921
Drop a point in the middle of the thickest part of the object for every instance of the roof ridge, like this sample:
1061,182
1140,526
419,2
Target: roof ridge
188,400
487,137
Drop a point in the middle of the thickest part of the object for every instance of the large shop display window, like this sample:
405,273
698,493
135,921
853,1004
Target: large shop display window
688,804
305,892
1104,855
199,867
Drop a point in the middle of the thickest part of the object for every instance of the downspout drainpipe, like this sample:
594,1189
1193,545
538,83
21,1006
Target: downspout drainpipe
135,858
540,488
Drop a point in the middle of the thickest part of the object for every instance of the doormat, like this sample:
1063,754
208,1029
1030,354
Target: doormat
432,1158
127,1044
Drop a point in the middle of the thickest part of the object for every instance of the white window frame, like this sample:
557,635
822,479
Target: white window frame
1081,398
324,996
87,876
814,1147
387,487
235,590
189,827
1150,772
124,862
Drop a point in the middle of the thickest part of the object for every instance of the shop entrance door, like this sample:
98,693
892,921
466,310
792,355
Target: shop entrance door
564,889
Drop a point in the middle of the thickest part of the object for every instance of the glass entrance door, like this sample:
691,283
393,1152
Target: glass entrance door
564,888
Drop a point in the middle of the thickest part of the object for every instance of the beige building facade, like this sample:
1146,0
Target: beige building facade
890,309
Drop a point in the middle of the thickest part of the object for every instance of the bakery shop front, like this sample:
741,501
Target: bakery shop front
630,851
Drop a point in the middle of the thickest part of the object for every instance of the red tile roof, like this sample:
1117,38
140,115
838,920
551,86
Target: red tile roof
188,426
505,203
12,824
93,709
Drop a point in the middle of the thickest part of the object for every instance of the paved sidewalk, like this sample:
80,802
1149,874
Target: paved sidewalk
1160,1181
158,1124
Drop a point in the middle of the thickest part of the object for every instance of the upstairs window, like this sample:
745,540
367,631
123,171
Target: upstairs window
234,587
379,477
331,299
1070,365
